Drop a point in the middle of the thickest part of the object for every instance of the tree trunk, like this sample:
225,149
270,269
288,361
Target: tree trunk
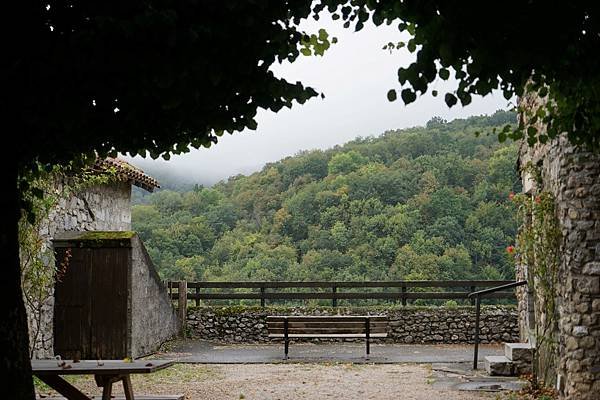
15,367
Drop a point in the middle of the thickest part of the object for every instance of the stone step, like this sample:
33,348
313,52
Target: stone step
521,354
518,352
499,366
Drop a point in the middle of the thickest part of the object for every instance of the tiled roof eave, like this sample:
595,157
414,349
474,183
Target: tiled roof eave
128,172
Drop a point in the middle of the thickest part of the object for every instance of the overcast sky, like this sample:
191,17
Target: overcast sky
355,75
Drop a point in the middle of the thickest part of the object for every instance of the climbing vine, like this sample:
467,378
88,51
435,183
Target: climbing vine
44,189
537,249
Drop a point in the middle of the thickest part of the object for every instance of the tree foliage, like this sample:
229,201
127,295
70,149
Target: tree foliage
157,76
518,47
421,203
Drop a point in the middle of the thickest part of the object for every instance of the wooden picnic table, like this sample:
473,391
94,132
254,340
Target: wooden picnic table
105,374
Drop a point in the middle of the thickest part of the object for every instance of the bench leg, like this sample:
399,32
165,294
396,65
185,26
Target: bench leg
106,383
127,387
107,390
286,347
367,335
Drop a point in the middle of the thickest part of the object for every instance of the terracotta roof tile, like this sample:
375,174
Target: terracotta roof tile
128,172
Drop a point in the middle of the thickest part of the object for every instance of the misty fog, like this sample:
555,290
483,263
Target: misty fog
354,75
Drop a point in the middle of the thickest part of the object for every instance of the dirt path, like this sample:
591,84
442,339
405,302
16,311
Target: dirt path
294,381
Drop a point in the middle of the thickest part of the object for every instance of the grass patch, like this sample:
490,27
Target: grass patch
177,374
75,380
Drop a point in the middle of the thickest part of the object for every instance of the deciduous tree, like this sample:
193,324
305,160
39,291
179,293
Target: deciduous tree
514,46
129,76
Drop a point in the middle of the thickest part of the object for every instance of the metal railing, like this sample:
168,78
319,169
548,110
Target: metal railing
477,295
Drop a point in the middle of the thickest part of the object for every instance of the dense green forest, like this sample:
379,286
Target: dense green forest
421,203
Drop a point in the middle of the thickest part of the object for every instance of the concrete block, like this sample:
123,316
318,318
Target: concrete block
518,352
498,366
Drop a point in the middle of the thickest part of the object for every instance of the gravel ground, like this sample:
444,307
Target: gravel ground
284,382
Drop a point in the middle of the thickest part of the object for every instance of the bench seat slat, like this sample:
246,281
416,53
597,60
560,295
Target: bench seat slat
328,318
328,330
341,317
325,324
328,327
338,335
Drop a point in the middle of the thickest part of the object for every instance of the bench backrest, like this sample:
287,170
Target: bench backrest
336,324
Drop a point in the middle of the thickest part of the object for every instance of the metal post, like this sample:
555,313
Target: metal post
472,299
367,335
262,296
476,351
286,336
197,296
403,295
334,300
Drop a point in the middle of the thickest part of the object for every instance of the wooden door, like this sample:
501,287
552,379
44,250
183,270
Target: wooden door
108,295
72,316
91,304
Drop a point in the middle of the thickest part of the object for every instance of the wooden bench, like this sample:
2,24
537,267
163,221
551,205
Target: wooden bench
288,327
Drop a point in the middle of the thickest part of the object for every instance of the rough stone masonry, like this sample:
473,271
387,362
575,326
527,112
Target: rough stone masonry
239,324
572,176
103,208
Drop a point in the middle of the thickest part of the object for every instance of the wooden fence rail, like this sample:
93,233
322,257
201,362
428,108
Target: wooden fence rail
199,290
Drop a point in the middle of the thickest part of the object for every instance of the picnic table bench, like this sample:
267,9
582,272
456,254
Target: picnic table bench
106,372
288,327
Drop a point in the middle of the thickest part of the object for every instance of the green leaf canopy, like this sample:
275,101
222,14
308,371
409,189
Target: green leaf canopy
533,47
135,75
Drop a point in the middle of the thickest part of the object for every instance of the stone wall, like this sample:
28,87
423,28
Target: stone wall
525,306
572,176
153,317
98,208
103,207
407,324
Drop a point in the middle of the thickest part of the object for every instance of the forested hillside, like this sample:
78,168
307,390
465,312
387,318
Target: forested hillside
420,203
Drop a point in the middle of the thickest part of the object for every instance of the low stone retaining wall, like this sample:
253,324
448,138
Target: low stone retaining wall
239,324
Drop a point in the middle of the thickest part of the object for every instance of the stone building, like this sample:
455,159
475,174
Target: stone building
572,176
105,207
112,296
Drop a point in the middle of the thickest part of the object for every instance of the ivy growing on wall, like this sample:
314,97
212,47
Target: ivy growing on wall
44,189
537,249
